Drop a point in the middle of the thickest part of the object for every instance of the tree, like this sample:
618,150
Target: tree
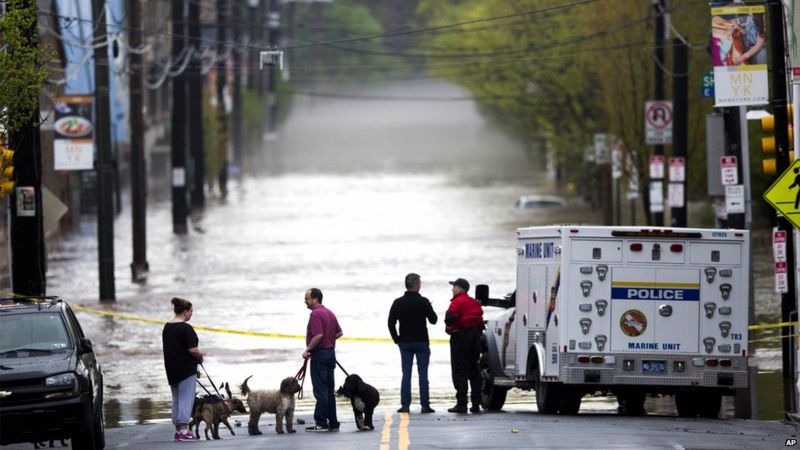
22,65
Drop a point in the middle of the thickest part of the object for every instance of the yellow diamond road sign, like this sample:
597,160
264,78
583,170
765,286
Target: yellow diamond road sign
784,194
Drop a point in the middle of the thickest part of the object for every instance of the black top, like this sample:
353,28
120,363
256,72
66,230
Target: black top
411,310
178,338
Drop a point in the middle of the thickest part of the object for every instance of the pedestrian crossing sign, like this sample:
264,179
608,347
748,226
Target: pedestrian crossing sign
784,194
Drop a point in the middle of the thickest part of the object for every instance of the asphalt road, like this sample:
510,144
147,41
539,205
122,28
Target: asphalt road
507,430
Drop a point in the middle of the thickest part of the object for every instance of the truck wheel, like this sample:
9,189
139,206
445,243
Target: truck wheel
570,402
492,397
686,403
631,403
709,403
547,394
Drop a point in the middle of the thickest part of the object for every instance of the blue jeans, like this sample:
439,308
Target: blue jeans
408,350
323,362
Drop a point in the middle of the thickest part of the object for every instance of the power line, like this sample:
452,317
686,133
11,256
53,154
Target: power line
439,27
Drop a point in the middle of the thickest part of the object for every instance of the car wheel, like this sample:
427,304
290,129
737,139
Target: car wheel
84,437
100,430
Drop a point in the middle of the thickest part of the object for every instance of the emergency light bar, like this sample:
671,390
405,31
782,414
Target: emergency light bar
657,234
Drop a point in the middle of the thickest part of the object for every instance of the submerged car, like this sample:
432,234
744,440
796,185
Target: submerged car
540,201
51,385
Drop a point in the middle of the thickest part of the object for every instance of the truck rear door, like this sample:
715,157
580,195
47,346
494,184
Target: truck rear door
655,309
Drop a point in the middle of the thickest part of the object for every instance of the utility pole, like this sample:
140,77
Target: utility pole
196,109
28,261
660,8
222,13
105,162
139,266
273,24
777,49
680,127
236,122
179,45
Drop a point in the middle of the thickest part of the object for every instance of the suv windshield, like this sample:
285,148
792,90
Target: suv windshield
37,333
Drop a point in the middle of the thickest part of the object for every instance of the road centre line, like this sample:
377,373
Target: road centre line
386,434
403,439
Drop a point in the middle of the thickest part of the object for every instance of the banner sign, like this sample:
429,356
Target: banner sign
793,30
739,50
73,147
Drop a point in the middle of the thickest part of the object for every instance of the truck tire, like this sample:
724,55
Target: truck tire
547,394
686,403
570,402
492,397
631,403
709,403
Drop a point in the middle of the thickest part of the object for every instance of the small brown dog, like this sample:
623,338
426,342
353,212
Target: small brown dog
212,412
280,403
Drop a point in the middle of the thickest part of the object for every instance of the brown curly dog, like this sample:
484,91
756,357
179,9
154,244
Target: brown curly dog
280,403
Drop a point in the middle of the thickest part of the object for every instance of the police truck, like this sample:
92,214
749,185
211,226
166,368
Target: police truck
624,311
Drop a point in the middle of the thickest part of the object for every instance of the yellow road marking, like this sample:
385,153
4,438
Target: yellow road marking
403,440
386,434
239,332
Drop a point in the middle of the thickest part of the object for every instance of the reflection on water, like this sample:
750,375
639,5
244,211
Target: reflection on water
349,199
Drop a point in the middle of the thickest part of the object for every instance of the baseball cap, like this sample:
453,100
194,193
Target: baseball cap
462,283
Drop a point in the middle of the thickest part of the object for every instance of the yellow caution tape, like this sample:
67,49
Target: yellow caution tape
358,339
239,332
773,325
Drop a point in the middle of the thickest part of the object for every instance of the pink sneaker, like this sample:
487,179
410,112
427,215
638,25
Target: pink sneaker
184,437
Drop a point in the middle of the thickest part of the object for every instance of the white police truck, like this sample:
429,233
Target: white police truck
625,311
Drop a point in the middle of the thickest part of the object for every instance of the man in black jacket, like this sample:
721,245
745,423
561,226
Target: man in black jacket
411,310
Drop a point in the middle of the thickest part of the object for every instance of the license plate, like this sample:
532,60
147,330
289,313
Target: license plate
654,366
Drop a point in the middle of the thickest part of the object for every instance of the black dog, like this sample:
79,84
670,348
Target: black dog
364,399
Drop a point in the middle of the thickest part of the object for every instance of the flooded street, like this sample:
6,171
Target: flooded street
350,197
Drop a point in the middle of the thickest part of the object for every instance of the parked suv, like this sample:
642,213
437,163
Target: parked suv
51,385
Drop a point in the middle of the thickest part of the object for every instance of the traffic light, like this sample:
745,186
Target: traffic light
768,142
6,170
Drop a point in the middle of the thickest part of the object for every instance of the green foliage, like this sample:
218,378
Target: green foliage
558,76
22,66
355,61
253,115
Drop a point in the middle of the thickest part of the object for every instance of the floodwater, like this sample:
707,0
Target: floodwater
350,197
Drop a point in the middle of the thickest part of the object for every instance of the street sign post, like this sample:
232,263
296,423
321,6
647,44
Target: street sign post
730,175
677,169
784,194
658,122
707,84
656,167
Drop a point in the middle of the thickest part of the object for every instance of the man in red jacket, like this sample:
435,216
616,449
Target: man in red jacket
464,324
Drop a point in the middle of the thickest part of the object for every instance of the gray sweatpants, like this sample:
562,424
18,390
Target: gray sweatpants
182,400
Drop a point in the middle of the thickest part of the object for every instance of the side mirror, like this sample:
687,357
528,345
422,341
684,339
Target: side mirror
482,294
85,346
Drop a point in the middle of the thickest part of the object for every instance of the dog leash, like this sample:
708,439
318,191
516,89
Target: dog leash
301,377
340,366
226,402
211,381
